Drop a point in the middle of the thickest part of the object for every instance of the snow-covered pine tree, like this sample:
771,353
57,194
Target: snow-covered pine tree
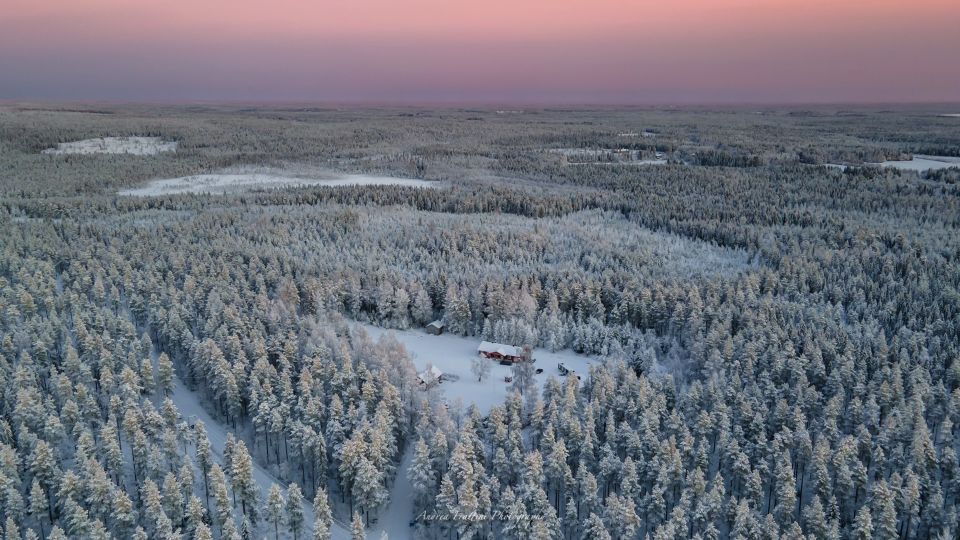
222,501
422,475
244,486
273,508
323,518
295,510
357,532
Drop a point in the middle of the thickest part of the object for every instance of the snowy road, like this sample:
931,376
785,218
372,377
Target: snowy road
190,407
395,520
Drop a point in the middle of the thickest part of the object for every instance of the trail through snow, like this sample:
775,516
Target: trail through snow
188,403
395,520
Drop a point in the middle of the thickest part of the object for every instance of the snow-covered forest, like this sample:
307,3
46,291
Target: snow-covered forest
778,340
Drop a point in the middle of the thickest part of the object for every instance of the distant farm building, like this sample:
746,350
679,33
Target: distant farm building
429,377
567,372
435,328
503,353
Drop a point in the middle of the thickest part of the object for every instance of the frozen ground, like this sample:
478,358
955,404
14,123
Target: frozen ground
919,163
454,354
230,182
139,146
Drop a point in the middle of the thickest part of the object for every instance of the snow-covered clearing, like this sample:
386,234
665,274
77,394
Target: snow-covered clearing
453,355
606,156
138,146
219,183
621,163
923,163
919,163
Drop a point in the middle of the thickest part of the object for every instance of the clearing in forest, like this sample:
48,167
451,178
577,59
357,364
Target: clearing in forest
138,146
234,182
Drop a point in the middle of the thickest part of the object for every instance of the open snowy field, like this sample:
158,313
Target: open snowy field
219,183
621,163
138,146
951,115
453,355
919,163
923,163
607,157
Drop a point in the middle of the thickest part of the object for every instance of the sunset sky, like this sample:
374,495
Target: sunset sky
491,51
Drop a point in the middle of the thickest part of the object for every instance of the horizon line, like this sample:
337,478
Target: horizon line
483,104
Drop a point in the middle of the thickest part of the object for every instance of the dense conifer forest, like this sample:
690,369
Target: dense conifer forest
778,336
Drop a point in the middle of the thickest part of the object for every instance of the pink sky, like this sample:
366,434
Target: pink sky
577,51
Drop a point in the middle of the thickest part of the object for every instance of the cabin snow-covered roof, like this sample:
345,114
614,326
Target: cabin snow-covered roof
430,375
499,348
436,324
